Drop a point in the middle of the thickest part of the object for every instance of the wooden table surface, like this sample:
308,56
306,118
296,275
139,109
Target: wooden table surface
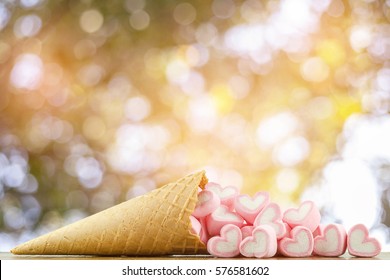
10,256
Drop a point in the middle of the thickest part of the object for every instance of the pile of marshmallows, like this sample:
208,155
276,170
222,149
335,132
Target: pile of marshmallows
233,224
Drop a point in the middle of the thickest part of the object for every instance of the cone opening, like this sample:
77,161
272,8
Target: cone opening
202,184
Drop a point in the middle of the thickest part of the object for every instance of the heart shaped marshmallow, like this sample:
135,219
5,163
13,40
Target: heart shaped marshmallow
226,245
331,241
226,194
207,202
360,244
262,243
306,215
220,217
271,215
299,244
249,207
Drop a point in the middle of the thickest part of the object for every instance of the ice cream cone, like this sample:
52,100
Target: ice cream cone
156,223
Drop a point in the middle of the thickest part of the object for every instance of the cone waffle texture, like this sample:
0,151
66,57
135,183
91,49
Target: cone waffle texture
156,223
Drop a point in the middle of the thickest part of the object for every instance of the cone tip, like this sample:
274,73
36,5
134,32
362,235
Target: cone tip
15,250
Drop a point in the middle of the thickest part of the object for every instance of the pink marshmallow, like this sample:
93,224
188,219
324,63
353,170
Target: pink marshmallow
306,215
319,230
226,245
262,243
287,234
195,226
331,241
207,202
288,230
220,217
271,215
246,231
249,207
198,227
299,244
360,244
226,194
204,235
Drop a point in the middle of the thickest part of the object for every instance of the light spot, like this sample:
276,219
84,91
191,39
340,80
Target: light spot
360,37
13,175
5,15
137,108
30,3
27,72
197,55
245,38
184,13
206,34
314,70
274,129
51,127
13,218
202,114
91,74
194,84
383,79
27,26
91,21
139,20
292,151
89,172
287,180
177,71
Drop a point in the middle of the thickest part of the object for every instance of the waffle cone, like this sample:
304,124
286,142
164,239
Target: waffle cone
156,223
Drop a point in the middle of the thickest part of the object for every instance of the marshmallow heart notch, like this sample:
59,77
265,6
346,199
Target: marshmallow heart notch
249,207
299,244
306,215
262,243
331,241
360,244
227,245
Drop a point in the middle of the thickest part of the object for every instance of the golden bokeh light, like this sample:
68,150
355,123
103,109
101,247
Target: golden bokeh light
102,101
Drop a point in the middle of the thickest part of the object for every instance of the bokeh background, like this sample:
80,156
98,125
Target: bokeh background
102,101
